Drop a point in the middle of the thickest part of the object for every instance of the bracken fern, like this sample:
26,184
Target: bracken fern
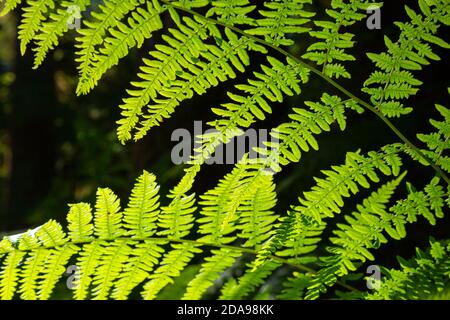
144,246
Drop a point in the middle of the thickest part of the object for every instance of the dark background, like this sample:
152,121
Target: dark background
56,148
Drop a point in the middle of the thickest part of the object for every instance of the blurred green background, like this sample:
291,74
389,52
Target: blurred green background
56,148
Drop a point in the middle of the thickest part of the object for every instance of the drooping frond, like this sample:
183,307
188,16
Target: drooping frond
140,264
10,274
393,80
93,32
33,15
211,269
171,266
57,24
124,36
281,19
330,51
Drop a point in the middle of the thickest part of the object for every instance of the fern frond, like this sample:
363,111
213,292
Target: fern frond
277,81
330,51
256,220
93,32
108,215
427,274
8,6
177,218
9,275
55,266
393,81
171,266
367,229
282,19
35,265
184,48
327,197
232,12
142,212
33,16
211,269
219,207
297,136
221,62
87,263
352,242
140,26
54,28
438,142
109,267
79,221
249,281
141,262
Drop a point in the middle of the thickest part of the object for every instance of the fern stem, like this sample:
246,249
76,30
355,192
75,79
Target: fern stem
314,70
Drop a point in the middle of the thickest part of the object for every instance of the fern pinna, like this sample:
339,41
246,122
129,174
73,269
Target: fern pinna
144,246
